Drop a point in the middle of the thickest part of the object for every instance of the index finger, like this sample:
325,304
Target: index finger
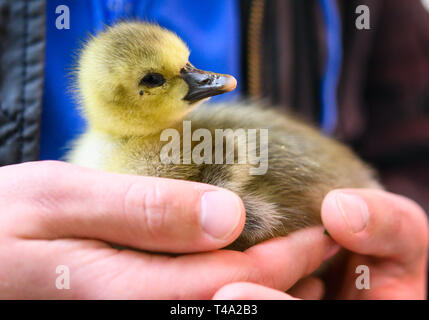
53,200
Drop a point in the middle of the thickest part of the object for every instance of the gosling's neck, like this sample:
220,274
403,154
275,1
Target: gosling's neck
129,125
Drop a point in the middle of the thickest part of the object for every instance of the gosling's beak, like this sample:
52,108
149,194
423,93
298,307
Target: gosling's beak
204,84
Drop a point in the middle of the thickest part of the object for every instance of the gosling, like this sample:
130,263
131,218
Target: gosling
135,80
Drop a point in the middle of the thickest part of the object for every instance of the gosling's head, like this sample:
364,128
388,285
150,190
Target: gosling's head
135,79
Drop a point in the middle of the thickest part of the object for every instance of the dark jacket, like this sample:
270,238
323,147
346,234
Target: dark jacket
383,96
22,36
383,92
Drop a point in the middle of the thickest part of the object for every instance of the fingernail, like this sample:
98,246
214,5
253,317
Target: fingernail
220,213
354,210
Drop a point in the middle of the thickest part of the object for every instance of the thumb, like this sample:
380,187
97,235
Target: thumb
376,223
59,200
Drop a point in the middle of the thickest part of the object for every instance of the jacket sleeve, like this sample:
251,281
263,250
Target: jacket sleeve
22,38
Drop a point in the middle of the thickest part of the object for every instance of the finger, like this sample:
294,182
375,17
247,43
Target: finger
377,223
310,288
249,291
97,271
301,252
277,263
57,200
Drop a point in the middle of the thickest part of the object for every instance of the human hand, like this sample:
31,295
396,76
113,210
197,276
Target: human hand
383,231
55,213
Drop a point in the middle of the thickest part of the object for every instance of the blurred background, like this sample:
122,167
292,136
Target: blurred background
368,87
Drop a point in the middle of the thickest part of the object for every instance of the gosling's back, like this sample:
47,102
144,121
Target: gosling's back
303,166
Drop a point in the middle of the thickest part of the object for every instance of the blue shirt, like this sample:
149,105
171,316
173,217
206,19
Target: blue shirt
211,28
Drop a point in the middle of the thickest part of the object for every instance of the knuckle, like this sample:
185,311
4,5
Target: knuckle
36,184
151,205
29,173
415,215
265,275
423,224
47,174
37,195
410,220
269,279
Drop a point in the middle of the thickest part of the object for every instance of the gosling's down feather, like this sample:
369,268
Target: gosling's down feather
126,115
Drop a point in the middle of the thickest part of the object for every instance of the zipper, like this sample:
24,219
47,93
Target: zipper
254,37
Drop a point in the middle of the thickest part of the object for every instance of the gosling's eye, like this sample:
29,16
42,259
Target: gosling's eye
152,80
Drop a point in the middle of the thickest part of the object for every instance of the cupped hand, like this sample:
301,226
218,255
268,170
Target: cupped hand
386,235
57,214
